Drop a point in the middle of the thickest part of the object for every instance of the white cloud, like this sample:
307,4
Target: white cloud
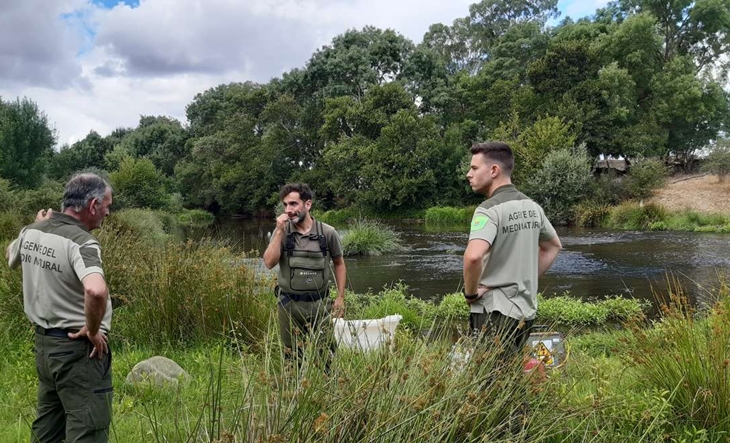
153,59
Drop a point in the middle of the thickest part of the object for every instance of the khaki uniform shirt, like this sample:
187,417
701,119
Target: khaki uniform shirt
55,255
514,226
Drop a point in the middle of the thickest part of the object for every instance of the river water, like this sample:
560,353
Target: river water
593,263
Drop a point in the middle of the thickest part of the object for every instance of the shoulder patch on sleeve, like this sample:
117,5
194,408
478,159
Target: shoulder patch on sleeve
479,222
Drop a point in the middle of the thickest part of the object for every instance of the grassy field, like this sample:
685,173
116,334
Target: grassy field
626,378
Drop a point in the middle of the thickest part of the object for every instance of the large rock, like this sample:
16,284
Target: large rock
159,371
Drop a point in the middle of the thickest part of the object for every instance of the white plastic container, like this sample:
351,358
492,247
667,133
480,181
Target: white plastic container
365,335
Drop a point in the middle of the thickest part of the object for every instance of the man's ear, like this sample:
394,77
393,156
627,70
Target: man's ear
92,206
308,204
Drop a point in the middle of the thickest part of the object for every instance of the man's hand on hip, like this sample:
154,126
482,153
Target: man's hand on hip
99,341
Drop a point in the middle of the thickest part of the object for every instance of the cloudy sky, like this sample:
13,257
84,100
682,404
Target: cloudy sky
100,64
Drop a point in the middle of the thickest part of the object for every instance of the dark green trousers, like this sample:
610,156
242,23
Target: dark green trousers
511,334
74,392
302,321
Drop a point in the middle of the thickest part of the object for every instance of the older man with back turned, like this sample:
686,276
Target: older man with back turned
65,296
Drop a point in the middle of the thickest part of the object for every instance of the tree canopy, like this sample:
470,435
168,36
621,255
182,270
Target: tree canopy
376,120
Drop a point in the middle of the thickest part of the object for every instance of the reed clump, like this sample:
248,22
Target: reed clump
369,237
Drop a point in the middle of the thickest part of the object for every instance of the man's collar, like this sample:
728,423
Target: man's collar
68,219
503,188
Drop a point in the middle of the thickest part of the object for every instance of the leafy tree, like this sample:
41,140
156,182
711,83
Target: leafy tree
355,61
137,184
84,154
163,140
26,142
562,181
696,28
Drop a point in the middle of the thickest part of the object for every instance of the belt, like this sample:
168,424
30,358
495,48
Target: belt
54,332
302,297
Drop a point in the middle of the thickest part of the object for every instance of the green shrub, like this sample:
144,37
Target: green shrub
689,357
338,217
632,215
600,343
446,215
644,176
48,195
11,293
452,308
137,184
718,160
139,223
689,220
590,214
11,223
168,292
367,237
195,217
563,180
566,310
609,188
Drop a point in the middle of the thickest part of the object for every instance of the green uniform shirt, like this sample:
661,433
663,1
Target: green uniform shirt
56,254
307,271
513,225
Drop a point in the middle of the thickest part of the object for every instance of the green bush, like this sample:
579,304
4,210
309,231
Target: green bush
645,175
565,310
337,217
689,220
137,184
168,292
446,215
718,160
139,223
48,195
631,215
590,214
609,188
11,223
689,357
195,217
367,237
562,181
452,308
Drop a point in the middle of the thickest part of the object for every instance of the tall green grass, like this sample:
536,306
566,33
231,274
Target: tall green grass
654,217
450,216
369,237
168,292
690,357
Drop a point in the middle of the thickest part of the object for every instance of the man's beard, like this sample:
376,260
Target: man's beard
299,217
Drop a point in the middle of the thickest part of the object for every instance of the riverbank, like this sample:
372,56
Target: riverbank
634,384
200,304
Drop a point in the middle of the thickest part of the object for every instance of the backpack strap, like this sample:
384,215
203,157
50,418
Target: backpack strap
289,245
322,239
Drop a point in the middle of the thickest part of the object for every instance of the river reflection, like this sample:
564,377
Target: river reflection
593,263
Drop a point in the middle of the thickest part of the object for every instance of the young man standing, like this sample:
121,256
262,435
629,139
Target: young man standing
303,247
511,243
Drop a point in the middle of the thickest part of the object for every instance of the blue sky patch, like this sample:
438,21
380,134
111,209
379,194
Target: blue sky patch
109,4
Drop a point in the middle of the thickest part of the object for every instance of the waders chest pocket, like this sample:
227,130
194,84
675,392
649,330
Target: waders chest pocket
307,274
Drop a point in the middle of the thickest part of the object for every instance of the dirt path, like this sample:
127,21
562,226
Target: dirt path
702,193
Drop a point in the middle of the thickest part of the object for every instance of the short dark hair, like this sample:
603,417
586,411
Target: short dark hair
305,193
81,189
498,152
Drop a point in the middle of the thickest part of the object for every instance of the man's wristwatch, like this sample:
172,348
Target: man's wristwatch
470,296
